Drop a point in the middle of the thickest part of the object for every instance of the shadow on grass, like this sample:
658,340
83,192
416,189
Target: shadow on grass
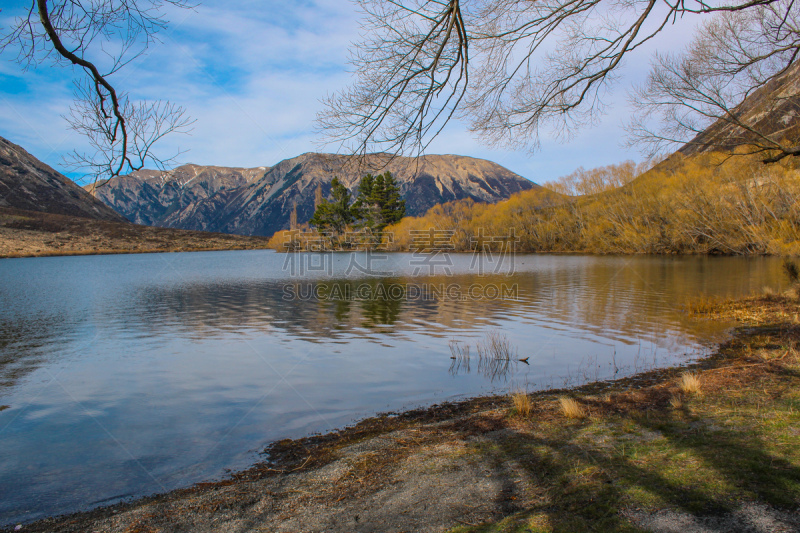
588,486
586,472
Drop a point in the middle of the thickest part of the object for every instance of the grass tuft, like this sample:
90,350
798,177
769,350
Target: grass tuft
459,350
676,402
522,403
689,383
703,305
571,408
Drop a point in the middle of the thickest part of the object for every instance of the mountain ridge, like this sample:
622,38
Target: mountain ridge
27,183
772,110
259,200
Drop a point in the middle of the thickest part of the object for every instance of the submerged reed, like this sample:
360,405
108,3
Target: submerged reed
496,346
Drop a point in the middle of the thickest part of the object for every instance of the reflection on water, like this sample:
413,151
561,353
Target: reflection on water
497,358
141,373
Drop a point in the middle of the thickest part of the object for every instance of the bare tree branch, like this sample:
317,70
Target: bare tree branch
517,69
734,88
414,71
122,134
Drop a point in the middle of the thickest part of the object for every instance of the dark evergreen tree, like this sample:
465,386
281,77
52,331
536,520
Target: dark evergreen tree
393,207
334,215
379,203
363,209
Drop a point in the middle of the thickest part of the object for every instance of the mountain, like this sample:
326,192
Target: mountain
27,183
771,110
259,201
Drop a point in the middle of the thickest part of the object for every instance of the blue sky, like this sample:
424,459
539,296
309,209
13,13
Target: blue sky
252,75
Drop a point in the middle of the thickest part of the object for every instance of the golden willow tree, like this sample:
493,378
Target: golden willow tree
99,39
697,204
517,69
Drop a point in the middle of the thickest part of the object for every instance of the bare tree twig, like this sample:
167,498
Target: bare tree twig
515,69
122,134
732,88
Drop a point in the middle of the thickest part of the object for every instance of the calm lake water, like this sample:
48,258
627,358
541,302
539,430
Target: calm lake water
122,376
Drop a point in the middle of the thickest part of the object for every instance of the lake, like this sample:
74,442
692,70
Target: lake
127,375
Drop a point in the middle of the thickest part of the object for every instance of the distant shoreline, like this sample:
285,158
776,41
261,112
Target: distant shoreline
37,234
75,253
79,253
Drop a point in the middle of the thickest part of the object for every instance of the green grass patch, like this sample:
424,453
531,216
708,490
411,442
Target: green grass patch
736,441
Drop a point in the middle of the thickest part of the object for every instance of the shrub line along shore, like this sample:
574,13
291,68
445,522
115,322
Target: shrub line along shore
711,445
704,204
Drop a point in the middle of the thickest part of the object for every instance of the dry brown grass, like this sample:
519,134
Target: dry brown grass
756,310
703,305
690,383
27,234
570,408
794,293
522,403
676,402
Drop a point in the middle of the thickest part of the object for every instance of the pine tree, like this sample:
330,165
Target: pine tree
379,203
334,215
363,208
393,208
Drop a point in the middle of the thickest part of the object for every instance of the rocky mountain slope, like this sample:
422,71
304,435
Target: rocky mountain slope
27,183
772,110
259,201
